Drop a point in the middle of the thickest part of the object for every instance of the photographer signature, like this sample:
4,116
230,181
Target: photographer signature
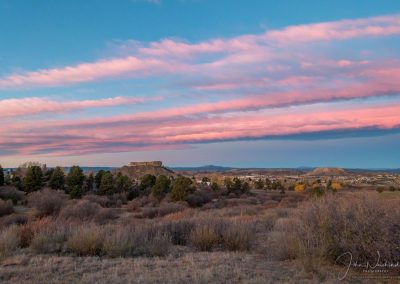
367,265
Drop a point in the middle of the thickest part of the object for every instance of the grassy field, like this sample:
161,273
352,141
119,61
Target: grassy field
258,237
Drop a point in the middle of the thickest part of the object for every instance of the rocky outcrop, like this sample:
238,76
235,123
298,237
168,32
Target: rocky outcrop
136,170
146,164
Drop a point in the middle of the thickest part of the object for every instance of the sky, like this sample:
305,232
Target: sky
193,82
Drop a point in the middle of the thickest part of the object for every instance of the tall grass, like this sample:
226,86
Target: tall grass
362,224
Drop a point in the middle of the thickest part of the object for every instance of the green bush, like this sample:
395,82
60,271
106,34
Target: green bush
181,188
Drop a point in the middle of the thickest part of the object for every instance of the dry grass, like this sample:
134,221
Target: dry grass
199,267
225,234
9,241
162,210
314,232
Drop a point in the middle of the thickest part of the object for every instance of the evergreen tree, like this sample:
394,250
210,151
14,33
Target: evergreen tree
147,182
181,188
161,187
107,184
259,184
122,183
1,176
17,182
57,178
75,178
214,186
89,183
33,179
75,192
97,178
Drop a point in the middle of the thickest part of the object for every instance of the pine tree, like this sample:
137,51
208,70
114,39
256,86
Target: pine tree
1,176
75,179
107,184
57,178
33,179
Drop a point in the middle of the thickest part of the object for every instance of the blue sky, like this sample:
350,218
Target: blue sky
193,82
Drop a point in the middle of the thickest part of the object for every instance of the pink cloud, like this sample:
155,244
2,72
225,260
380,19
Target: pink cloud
123,136
31,106
172,56
85,72
339,30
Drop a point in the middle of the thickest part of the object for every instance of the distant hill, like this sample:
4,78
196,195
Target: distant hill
207,168
328,172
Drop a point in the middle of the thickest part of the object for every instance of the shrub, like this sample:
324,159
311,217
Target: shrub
13,219
115,200
204,237
300,187
51,238
86,239
199,198
84,210
105,215
10,193
47,202
148,240
237,236
179,231
6,208
282,246
151,241
25,234
361,223
119,242
9,241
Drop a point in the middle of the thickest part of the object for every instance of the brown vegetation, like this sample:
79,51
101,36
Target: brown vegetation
272,225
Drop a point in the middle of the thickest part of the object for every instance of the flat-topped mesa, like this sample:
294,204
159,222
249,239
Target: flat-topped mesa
146,164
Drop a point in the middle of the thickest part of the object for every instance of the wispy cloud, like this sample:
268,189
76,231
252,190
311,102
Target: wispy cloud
125,134
171,56
277,83
35,105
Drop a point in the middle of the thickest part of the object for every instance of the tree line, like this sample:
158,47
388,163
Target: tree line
32,177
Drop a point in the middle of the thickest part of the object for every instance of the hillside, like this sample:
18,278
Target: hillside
328,172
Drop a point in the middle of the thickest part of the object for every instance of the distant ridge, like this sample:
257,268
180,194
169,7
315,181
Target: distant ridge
207,168
328,172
